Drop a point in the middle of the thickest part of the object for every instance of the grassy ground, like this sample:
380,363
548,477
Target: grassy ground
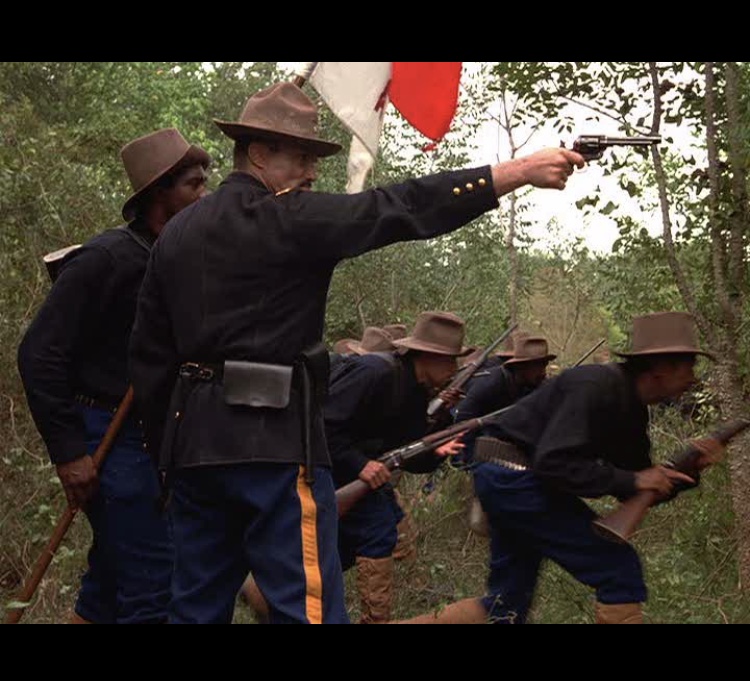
687,547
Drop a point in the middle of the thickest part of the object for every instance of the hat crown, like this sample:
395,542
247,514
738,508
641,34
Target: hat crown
530,348
283,108
150,156
664,332
375,339
438,332
395,331
507,348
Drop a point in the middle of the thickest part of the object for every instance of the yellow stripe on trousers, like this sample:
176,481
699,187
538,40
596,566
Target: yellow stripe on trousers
310,558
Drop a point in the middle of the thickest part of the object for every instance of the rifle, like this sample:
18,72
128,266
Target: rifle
592,147
461,378
620,525
590,352
351,493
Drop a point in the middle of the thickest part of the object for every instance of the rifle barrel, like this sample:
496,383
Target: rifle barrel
634,141
585,355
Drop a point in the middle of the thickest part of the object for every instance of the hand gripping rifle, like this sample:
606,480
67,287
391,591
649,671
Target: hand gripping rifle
592,147
620,525
437,405
351,493
18,606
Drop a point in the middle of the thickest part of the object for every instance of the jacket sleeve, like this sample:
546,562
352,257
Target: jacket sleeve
351,411
335,227
566,456
152,359
53,343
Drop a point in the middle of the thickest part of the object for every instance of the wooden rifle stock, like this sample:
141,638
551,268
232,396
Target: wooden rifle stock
352,492
620,525
15,613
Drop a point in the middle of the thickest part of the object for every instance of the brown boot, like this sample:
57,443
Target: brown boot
467,611
375,586
251,594
621,613
77,619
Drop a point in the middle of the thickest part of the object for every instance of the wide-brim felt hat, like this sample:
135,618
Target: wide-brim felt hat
396,331
149,158
507,348
530,349
374,339
441,333
342,346
664,333
281,112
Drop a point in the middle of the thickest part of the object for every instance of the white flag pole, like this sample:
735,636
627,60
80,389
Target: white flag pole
303,72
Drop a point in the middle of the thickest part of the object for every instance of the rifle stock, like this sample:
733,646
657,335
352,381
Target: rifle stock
620,525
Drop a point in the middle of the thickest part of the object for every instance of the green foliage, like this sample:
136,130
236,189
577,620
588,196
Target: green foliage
61,181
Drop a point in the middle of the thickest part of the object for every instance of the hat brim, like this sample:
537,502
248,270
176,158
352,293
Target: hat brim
356,348
529,360
319,147
193,155
415,344
671,350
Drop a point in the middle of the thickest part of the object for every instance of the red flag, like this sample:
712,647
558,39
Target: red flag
426,94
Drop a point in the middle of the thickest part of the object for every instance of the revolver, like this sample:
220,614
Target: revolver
592,147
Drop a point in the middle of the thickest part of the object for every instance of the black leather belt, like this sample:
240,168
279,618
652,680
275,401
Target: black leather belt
492,450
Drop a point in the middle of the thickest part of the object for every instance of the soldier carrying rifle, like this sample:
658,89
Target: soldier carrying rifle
581,434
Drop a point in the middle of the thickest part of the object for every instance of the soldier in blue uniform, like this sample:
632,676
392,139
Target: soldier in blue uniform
581,434
378,401
227,359
73,363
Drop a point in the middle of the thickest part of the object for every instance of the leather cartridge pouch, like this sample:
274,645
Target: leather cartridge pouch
252,384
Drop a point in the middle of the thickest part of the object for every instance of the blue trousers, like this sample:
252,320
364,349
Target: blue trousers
370,528
257,518
530,523
131,554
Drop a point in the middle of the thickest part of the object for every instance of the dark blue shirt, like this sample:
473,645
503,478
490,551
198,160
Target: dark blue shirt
78,341
373,406
584,430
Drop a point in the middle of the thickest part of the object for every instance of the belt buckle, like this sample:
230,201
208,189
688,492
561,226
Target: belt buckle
194,370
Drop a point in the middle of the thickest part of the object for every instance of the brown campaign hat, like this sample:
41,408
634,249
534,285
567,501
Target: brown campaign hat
439,332
341,347
663,333
149,158
374,339
284,112
509,344
395,331
530,349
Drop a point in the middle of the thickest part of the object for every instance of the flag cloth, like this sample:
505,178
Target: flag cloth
425,93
